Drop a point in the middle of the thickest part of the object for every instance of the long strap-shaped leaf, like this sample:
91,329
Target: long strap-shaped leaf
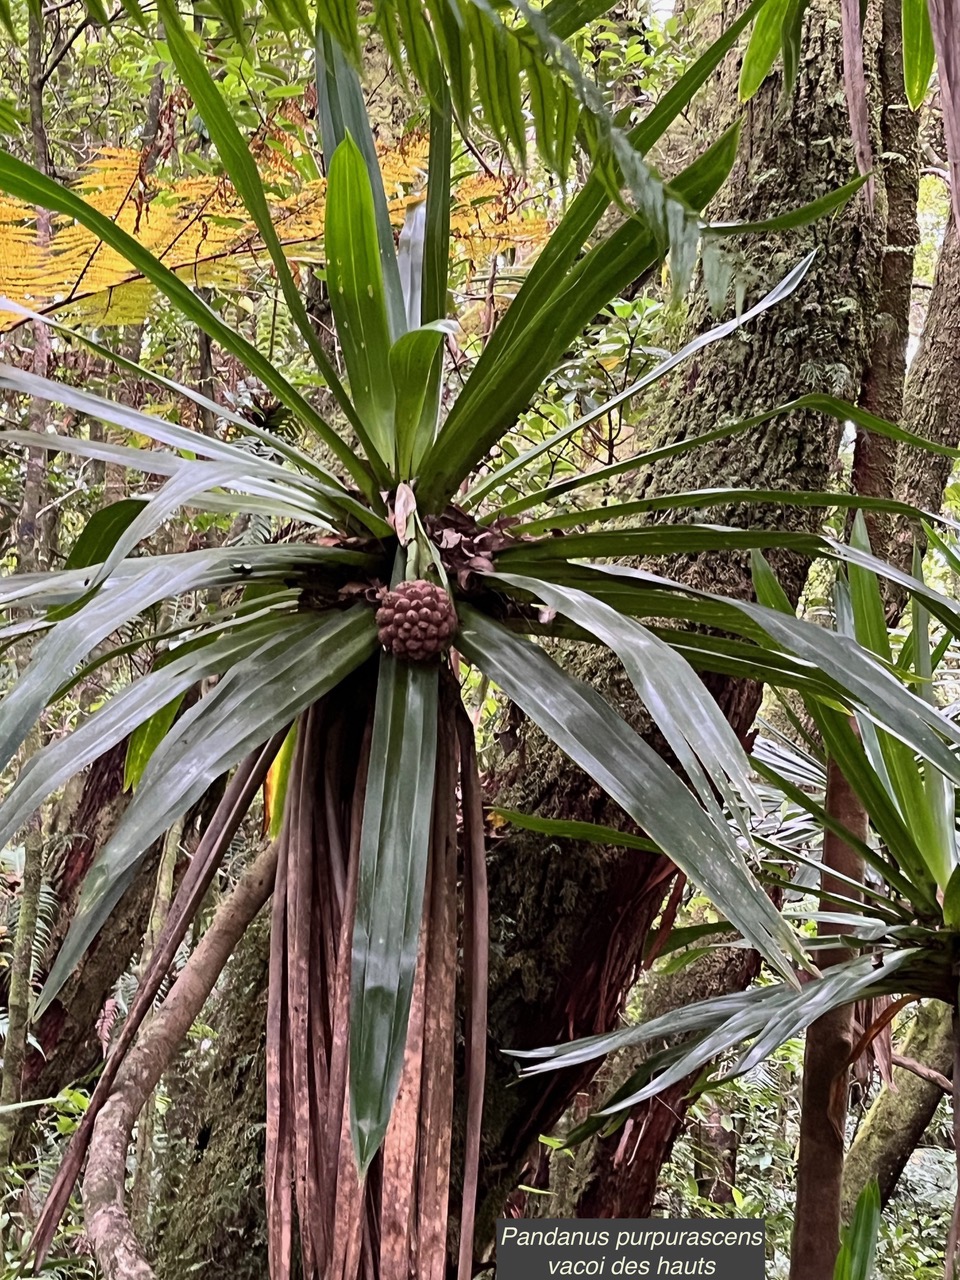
242,168
263,490
74,637
868,684
770,1015
393,865
25,182
357,297
260,695
777,294
301,460
217,567
498,390
342,110
584,726
696,729
64,757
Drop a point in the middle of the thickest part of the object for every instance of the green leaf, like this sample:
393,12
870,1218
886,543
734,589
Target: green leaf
339,18
769,1016
27,184
242,168
256,698
101,532
703,499
357,296
330,486
918,51
507,375
145,739
342,110
870,687
858,1250
586,210
588,832
216,567
74,637
800,217
453,44
833,407
127,712
782,290
436,245
575,717
700,737
394,849
792,33
412,359
766,41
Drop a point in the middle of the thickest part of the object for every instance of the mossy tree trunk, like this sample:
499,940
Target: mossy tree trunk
899,1117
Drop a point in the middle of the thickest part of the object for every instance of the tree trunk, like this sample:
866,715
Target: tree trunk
570,922
899,1117
931,404
875,457
826,1066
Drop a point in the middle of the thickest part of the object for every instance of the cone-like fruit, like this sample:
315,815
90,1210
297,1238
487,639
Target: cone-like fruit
416,621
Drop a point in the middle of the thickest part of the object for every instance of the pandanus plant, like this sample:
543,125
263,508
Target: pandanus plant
333,662
885,890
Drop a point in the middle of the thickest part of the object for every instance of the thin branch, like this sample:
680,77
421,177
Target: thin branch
925,1073
108,1227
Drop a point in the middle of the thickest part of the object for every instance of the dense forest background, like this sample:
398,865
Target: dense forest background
725,379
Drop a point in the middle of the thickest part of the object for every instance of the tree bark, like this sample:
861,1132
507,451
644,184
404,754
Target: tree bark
931,404
875,456
899,1117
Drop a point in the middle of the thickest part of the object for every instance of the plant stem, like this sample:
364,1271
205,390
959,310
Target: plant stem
816,1230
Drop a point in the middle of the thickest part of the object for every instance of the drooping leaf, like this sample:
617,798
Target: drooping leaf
394,846
255,699
698,734
25,182
74,637
584,726
767,1016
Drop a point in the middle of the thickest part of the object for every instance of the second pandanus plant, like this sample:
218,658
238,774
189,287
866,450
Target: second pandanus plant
885,883
333,663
